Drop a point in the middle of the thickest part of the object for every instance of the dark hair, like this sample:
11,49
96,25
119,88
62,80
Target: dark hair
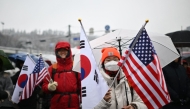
1,65
179,59
1,62
18,63
68,54
103,66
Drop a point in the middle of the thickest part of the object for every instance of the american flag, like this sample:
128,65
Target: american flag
143,71
38,74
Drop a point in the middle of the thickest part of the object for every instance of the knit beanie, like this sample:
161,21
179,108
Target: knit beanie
110,51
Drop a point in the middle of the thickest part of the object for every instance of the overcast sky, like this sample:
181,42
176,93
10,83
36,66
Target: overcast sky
164,15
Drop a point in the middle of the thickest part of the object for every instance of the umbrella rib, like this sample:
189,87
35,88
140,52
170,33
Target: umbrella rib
109,43
164,46
127,41
115,44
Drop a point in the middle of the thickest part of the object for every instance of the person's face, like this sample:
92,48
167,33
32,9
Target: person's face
176,60
111,58
62,52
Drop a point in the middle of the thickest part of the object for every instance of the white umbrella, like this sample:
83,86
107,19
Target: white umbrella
162,44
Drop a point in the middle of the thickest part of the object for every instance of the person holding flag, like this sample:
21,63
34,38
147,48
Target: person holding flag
63,83
142,68
119,96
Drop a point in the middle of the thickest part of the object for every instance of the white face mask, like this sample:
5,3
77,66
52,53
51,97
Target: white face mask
112,66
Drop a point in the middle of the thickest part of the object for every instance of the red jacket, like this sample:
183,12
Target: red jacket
65,96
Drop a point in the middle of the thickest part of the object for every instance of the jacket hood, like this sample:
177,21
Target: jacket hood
66,62
176,64
62,44
109,79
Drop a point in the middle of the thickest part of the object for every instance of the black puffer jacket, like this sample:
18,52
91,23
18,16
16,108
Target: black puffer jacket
177,82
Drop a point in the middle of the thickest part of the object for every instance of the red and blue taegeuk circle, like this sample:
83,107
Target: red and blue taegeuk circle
85,67
22,80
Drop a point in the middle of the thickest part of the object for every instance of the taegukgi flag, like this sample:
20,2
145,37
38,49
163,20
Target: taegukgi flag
94,87
26,70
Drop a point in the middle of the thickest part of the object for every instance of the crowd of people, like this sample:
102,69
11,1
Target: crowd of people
61,89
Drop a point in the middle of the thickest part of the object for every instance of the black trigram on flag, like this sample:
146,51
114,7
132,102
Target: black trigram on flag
82,44
83,91
20,93
25,68
96,77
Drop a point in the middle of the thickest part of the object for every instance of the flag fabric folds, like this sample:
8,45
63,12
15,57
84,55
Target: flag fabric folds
38,74
94,86
26,70
143,71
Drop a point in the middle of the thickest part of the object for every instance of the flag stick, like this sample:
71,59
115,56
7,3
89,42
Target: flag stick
82,26
31,58
86,38
135,41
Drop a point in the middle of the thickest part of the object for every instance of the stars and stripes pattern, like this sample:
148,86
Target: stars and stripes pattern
38,74
143,71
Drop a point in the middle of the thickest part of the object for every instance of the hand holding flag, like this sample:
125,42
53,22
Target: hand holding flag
142,68
36,77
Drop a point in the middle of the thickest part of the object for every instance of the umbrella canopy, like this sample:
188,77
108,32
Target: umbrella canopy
186,56
22,57
162,44
6,62
180,38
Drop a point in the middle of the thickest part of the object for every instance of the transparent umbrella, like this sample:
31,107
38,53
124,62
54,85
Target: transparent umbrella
121,39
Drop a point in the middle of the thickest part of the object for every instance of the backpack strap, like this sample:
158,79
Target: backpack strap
78,88
54,69
76,75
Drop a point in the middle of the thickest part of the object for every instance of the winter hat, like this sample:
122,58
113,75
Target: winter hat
110,51
62,45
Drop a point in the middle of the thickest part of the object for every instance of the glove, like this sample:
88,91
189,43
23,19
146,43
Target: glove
52,86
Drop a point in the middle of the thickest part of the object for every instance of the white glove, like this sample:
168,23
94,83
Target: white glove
52,86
